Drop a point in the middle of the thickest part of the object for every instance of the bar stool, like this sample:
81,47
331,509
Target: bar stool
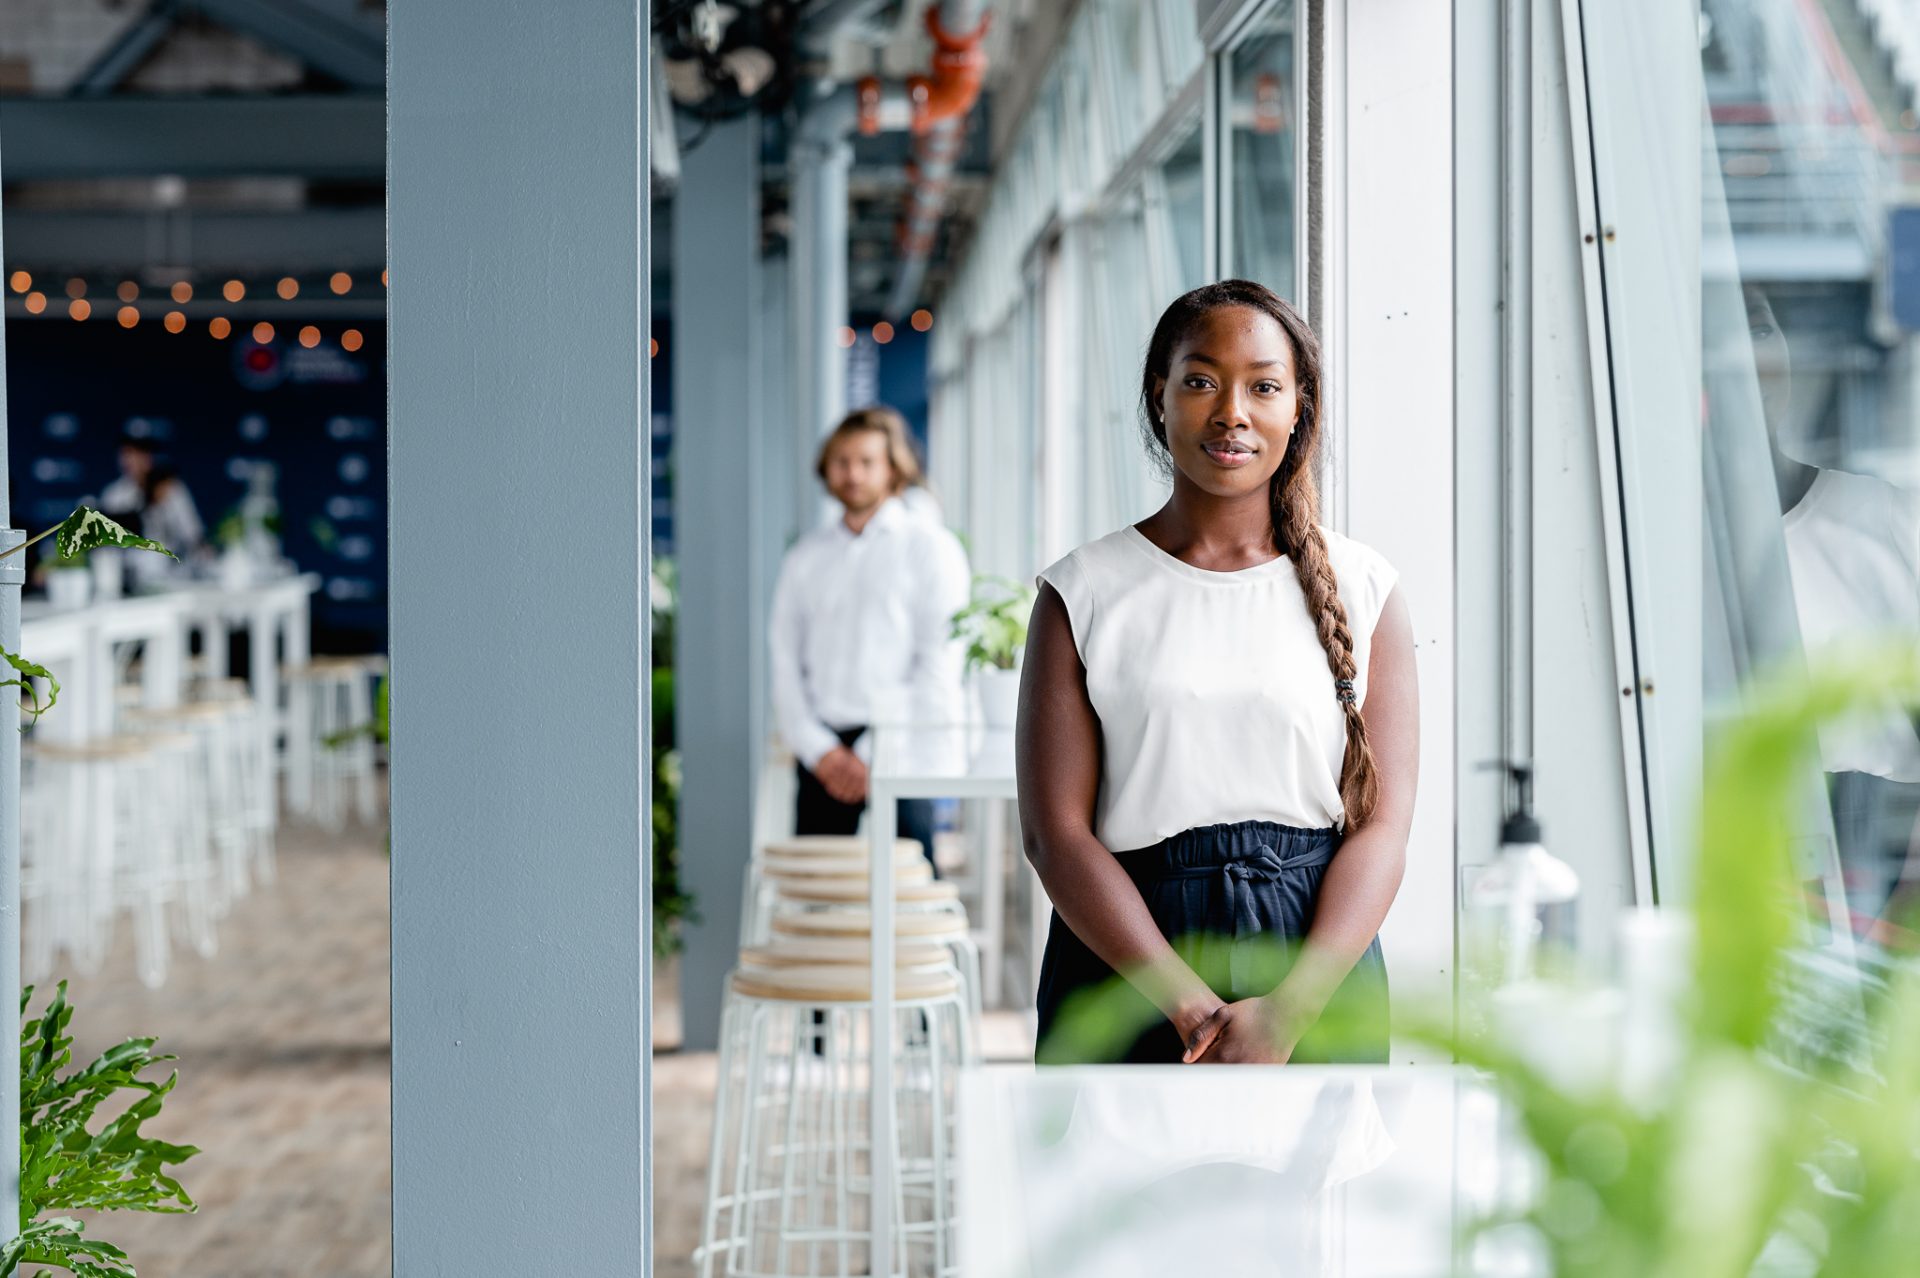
797,926
789,1167
803,845
812,860
339,691
112,825
235,781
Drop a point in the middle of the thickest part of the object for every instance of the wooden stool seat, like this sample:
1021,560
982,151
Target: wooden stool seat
908,867
841,983
850,891
841,845
100,748
839,951
187,710
859,923
336,667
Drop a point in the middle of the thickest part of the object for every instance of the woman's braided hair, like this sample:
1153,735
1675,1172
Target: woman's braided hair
1293,498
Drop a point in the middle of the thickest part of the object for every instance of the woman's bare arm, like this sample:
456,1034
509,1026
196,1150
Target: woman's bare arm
1360,884
1057,753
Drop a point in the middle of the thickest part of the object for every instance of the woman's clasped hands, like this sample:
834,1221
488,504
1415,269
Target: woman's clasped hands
1252,1031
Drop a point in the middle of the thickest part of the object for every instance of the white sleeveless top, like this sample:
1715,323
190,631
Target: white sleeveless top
1215,701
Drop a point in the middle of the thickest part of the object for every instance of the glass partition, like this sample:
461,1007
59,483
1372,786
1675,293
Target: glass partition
1258,102
1811,456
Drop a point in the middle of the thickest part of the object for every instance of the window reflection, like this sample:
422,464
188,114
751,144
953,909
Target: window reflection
1813,518
1182,176
1260,95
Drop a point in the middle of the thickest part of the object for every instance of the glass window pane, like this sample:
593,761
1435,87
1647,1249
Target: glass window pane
1260,133
1812,459
1186,204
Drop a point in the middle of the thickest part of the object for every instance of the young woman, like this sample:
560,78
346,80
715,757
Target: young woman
1219,725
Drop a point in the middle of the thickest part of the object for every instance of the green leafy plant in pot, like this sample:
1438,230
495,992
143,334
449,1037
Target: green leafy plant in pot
994,627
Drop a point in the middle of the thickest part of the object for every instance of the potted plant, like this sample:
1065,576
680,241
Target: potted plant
84,530
236,559
69,580
994,626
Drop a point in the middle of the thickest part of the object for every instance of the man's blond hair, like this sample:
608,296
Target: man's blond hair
884,421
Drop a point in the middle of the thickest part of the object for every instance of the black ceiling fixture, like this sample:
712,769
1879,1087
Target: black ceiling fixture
725,60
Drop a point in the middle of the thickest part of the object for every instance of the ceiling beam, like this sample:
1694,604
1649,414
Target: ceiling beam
113,64
298,242
294,135
324,38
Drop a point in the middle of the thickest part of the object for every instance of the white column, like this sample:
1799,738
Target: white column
1392,419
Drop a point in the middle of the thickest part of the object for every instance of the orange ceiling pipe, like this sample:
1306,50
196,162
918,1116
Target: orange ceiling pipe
959,65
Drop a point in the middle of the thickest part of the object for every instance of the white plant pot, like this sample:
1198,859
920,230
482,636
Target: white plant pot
108,573
69,587
236,569
999,696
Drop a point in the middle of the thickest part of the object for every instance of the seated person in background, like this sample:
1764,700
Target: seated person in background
169,515
152,500
126,497
863,603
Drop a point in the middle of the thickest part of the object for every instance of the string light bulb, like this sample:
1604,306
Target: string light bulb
21,281
922,320
128,316
233,290
846,337
351,339
79,308
127,291
309,337
263,332
175,322
219,327
36,302
76,287
182,292
883,332
340,283
288,288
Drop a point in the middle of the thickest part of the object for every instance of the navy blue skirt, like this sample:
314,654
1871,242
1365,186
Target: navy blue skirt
1235,901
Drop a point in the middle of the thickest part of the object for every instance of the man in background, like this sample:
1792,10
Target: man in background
863,604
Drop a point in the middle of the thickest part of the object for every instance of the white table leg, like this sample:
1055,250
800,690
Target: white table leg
299,711
881,823
96,684
993,897
163,667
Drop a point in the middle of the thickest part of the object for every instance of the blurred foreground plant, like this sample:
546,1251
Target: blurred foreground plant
67,1165
1780,1131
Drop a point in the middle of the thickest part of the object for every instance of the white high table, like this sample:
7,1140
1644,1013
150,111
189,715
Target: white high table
77,644
912,761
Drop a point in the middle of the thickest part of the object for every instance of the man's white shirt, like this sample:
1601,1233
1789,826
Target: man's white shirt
855,613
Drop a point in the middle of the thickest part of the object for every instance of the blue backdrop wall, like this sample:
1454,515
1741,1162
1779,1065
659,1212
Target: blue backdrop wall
211,409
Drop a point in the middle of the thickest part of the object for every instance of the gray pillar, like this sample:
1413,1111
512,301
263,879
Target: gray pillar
718,649
819,306
517,204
